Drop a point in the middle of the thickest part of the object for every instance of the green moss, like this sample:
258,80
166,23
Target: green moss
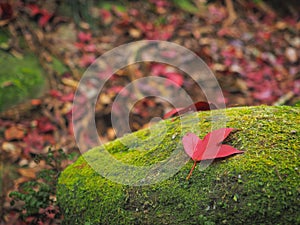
20,79
58,66
260,186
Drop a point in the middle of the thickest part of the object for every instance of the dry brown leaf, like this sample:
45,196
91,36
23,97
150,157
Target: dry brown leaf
291,55
70,82
28,172
111,133
14,133
135,33
13,151
36,102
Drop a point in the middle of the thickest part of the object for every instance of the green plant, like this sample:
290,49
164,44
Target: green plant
36,198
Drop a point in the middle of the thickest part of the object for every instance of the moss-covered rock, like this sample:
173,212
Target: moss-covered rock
20,79
260,186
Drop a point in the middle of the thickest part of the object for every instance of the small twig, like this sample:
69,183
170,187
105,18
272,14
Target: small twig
277,172
231,13
285,98
191,171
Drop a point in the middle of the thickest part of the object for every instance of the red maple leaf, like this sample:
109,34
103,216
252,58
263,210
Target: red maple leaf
198,106
34,9
176,78
45,17
210,147
44,125
84,36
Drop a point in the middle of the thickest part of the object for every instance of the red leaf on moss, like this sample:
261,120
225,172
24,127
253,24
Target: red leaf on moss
198,106
210,147
172,113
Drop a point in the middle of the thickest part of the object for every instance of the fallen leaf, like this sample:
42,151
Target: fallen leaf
84,36
172,113
12,150
86,60
36,102
8,146
106,16
44,125
210,147
70,82
34,9
135,33
198,106
45,17
34,142
67,97
28,172
176,78
14,133
291,55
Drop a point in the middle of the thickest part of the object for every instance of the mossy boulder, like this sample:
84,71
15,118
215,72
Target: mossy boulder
260,186
20,79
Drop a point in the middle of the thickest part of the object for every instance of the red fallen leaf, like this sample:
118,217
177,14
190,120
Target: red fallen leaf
86,60
158,69
172,113
45,17
90,48
198,106
34,9
60,96
55,93
79,45
44,125
84,36
210,147
34,143
174,77
67,97
106,16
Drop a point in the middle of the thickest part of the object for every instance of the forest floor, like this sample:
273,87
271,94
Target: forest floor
252,49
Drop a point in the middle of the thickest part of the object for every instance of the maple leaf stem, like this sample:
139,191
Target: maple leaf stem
191,171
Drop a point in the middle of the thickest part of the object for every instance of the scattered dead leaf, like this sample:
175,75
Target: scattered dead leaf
28,172
14,133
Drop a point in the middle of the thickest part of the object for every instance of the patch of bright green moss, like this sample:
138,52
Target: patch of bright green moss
260,186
